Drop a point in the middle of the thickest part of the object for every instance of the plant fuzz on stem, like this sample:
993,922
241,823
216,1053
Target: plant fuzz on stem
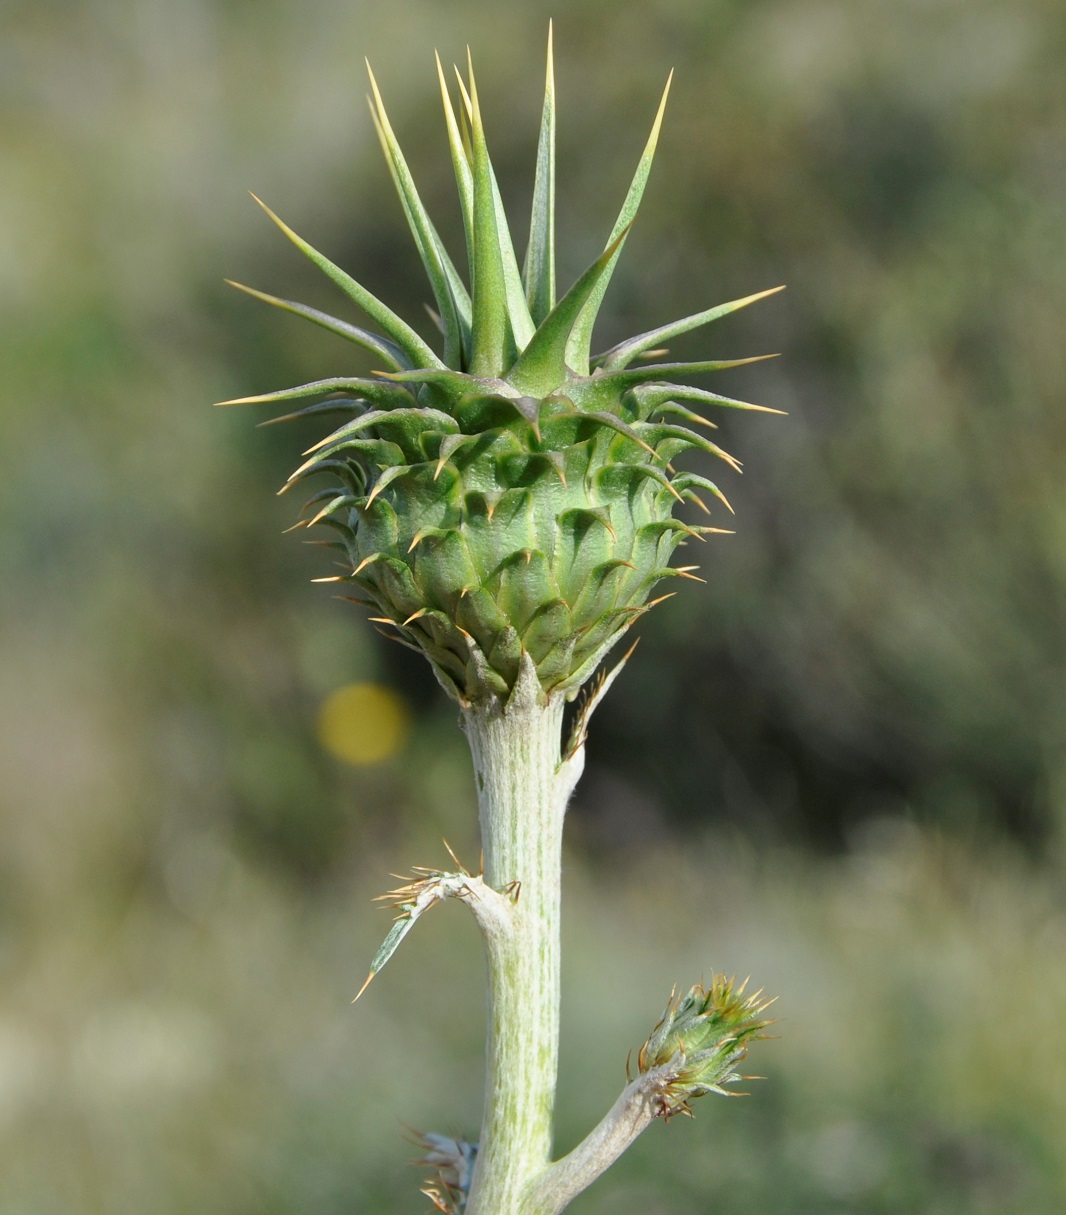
508,508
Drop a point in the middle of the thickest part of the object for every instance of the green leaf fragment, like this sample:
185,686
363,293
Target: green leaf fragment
418,897
396,934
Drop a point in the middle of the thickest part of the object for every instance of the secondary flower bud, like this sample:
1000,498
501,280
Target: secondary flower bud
700,1040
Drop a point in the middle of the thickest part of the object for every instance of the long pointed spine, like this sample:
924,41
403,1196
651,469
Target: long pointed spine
540,255
493,339
453,303
541,368
624,353
398,329
390,352
580,344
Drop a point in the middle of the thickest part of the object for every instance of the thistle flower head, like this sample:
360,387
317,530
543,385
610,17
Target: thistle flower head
701,1039
509,498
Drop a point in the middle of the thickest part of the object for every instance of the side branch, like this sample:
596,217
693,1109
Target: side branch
693,1050
639,1104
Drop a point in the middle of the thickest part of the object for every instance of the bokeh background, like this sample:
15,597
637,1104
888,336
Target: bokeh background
839,767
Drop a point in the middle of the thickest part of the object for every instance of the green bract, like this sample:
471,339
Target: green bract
701,1038
511,495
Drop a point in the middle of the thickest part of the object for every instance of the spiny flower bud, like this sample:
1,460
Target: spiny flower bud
510,500
700,1040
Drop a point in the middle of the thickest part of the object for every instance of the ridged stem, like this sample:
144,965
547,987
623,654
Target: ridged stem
523,786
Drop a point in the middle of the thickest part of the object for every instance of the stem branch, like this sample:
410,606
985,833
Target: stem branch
635,1110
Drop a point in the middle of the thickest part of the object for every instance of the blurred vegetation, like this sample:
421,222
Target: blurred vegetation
839,767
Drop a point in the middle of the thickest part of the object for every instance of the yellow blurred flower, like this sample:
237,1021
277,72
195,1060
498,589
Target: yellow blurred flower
363,723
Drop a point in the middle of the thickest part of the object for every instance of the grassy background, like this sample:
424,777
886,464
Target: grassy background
839,767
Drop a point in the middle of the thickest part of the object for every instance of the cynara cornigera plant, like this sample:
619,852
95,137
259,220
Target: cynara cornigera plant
507,507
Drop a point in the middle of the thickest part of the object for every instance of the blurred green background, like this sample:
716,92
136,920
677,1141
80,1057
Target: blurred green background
839,767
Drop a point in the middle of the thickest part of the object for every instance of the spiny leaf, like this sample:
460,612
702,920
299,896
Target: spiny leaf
514,291
421,896
423,419
449,446
617,382
625,352
399,331
657,475
580,343
349,472
549,623
615,423
376,451
468,393
348,405
542,366
600,650
455,380
323,495
340,502
686,481
492,336
680,571
681,412
396,934
579,731
467,111
540,254
514,297
386,478
391,352
453,302
372,390
662,396
688,438
464,179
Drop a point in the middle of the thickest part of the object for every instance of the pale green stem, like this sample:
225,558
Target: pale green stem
634,1111
523,786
